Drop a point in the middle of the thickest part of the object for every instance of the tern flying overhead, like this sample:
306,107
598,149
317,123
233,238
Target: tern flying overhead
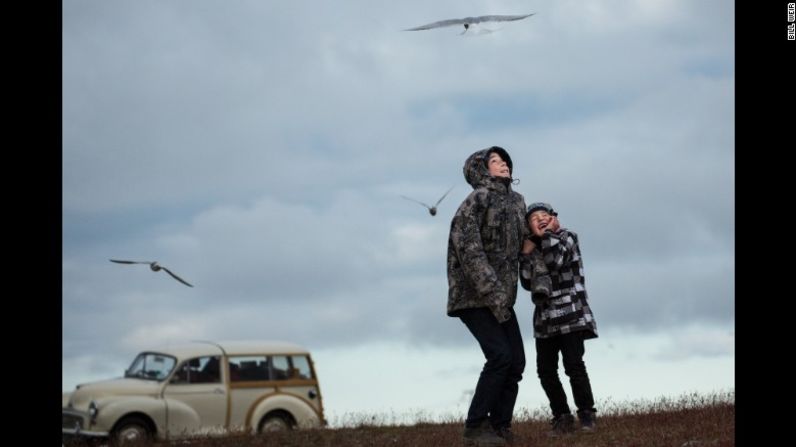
467,21
431,209
155,267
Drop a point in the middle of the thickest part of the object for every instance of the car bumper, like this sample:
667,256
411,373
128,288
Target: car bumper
73,425
77,433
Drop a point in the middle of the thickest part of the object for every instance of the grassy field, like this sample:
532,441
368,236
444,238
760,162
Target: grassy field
687,421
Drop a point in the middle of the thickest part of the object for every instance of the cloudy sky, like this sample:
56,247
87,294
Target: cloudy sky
260,149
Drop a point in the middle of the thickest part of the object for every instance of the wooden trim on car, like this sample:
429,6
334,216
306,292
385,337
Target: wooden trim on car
227,382
273,383
248,425
317,388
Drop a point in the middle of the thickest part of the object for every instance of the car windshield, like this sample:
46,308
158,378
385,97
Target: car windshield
151,366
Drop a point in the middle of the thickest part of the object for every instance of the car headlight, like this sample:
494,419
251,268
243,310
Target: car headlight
92,411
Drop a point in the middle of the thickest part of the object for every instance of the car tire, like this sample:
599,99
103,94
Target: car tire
131,430
277,422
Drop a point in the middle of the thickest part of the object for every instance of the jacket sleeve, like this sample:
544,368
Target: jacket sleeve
532,266
526,261
466,241
558,248
526,271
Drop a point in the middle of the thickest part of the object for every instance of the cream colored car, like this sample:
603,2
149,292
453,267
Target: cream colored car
197,389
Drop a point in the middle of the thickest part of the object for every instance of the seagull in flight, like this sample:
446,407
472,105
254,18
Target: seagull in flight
431,209
154,266
467,21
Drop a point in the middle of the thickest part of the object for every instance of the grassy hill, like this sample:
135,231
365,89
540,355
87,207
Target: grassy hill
687,421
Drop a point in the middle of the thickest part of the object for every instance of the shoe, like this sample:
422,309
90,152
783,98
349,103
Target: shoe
588,421
506,434
483,435
562,425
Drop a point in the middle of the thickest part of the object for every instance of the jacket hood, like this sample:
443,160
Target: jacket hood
476,172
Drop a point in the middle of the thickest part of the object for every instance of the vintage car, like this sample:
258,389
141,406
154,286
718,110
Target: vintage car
199,389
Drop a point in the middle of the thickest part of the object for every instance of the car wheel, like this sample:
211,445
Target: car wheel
131,431
275,423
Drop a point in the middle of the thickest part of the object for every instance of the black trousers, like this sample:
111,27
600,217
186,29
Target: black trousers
498,384
572,350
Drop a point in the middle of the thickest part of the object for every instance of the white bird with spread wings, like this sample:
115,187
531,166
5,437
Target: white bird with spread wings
154,266
467,21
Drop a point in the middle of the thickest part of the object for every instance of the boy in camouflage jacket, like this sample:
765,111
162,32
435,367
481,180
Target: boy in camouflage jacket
484,245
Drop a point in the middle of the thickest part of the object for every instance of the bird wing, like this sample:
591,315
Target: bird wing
441,23
443,196
175,276
119,261
416,201
499,18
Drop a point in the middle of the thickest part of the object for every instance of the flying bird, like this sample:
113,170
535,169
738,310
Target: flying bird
155,267
431,209
467,21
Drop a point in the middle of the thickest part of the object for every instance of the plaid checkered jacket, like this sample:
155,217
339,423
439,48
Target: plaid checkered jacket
567,309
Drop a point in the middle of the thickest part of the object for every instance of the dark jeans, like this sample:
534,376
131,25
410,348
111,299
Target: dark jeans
496,391
571,347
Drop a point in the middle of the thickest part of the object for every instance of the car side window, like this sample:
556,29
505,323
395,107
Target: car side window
199,370
249,368
281,367
300,367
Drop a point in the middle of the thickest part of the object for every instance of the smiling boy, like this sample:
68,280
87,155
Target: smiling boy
562,320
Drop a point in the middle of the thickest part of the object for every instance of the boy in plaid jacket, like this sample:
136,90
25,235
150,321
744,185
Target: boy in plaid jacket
562,319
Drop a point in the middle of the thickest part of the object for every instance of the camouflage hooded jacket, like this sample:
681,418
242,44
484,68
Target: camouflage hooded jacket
485,240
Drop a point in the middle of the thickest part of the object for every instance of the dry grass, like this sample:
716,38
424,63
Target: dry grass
691,420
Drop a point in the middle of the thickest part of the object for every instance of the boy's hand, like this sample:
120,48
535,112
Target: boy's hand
528,246
499,305
554,225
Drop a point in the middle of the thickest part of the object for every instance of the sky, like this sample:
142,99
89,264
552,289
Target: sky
259,150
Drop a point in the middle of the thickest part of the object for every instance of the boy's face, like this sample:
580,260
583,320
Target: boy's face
539,221
497,167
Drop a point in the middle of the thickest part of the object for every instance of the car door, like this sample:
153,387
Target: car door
250,382
196,398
